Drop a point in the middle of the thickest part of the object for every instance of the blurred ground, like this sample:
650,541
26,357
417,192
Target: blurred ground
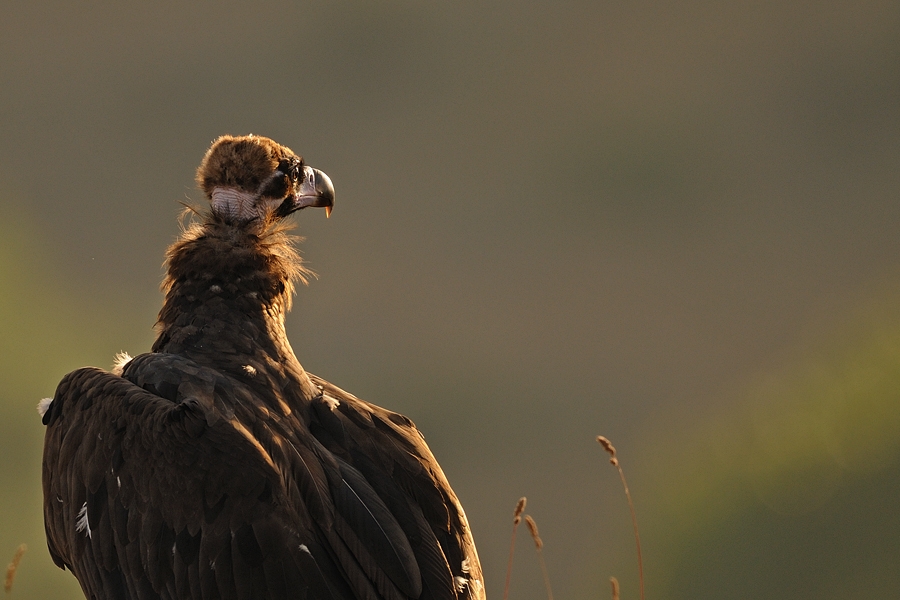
672,223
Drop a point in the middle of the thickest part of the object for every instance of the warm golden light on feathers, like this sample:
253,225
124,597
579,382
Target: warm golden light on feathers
253,178
215,465
240,162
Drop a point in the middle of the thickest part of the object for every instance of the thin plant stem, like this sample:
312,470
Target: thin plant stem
615,587
614,461
517,518
539,545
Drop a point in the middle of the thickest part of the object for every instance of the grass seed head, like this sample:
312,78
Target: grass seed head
11,568
607,445
532,527
517,514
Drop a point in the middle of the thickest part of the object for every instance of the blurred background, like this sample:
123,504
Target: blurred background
671,223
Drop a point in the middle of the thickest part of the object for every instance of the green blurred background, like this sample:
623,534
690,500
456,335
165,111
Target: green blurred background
671,223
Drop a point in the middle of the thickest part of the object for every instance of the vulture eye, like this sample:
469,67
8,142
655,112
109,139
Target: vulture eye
284,165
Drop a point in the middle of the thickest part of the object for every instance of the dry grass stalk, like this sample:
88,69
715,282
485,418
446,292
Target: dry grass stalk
11,568
517,518
614,461
615,588
539,545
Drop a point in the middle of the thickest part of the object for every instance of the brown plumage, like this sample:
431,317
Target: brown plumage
215,466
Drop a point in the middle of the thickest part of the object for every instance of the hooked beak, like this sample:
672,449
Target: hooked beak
316,189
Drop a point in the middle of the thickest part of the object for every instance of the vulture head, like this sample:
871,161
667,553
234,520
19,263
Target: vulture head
252,177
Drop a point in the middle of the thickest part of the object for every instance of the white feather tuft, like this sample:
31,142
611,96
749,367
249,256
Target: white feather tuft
332,403
119,361
81,523
44,405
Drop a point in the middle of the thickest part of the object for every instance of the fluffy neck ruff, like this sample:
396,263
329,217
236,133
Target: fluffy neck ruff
228,287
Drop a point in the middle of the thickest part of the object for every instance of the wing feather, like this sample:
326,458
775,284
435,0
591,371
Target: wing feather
376,528
191,491
392,458
145,468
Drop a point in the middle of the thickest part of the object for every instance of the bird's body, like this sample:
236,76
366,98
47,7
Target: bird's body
215,466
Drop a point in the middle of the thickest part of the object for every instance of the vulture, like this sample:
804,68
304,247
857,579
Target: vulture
214,466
